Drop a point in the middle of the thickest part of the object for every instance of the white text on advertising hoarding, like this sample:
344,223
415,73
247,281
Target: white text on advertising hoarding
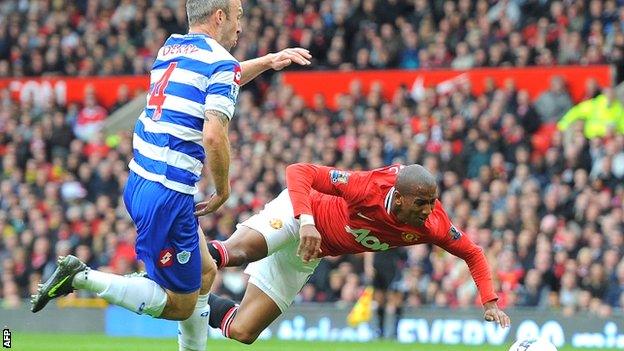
40,92
451,331
473,332
443,331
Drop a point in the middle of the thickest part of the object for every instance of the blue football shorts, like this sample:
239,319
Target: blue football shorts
167,233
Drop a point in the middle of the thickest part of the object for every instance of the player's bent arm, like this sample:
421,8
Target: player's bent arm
217,145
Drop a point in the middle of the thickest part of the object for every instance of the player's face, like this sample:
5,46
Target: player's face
232,24
414,209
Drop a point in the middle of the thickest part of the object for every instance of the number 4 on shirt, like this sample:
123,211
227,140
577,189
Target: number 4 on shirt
157,93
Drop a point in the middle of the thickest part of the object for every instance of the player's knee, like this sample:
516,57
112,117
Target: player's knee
242,334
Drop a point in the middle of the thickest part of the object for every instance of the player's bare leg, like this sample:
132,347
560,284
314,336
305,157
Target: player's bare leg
244,323
255,313
244,246
257,310
193,332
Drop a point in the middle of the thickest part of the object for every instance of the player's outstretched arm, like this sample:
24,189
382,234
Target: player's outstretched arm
217,147
458,244
277,61
493,314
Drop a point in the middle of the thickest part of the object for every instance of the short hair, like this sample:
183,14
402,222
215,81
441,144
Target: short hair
412,177
198,11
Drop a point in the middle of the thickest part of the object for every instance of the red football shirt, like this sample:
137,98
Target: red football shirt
351,210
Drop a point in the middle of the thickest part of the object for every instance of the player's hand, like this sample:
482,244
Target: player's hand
309,243
493,314
286,57
213,204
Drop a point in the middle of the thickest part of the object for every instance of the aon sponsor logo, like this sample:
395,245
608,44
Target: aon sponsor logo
363,237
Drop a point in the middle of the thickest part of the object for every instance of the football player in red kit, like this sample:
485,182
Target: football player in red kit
329,212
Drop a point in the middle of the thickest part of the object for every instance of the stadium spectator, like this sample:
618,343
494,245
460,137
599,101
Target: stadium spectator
90,118
602,115
123,97
616,288
531,293
555,102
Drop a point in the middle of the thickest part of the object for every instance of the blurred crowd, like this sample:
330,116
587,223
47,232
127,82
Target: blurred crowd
97,37
548,209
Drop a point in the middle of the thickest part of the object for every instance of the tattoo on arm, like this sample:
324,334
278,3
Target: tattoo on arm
218,114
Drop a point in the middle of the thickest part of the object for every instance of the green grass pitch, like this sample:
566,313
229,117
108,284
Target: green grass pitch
98,342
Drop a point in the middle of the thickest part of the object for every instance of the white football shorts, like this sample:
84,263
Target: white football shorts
281,274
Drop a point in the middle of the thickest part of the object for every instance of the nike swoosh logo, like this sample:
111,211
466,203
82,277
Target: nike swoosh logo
363,216
52,292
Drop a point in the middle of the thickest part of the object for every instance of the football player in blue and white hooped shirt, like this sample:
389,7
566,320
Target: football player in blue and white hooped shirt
193,90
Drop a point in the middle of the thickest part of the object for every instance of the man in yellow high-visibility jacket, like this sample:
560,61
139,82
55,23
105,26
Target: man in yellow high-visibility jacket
600,114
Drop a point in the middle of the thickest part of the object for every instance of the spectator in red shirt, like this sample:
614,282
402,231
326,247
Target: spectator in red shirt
90,119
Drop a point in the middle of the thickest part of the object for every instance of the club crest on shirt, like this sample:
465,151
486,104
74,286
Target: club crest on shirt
409,237
337,176
183,256
238,74
455,233
276,223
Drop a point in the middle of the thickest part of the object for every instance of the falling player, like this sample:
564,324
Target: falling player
194,87
330,212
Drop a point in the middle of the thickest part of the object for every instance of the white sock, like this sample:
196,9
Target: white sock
193,332
138,294
92,280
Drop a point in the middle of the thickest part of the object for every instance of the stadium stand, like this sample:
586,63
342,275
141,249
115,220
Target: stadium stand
551,221
96,37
